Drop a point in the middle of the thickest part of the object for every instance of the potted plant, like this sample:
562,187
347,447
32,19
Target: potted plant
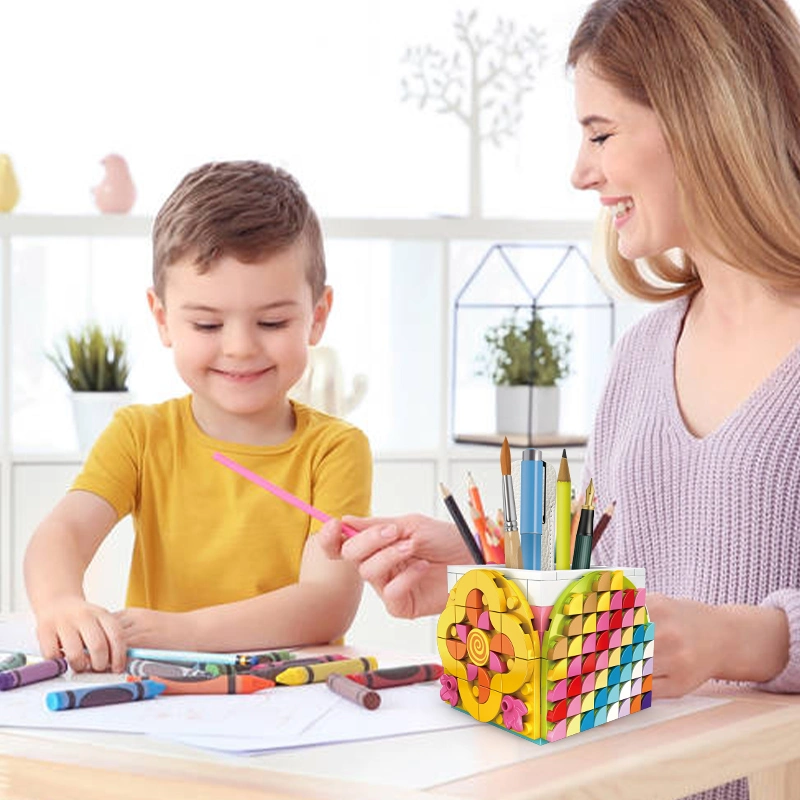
94,363
525,359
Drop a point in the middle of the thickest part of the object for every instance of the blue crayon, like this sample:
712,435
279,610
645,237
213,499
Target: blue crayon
105,695
532,508
188,656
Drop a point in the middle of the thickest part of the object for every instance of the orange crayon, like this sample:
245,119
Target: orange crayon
221,684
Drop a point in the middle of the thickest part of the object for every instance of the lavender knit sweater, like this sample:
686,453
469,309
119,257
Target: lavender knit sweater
713,519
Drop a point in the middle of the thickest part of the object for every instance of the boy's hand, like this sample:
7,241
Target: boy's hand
143,627
88,636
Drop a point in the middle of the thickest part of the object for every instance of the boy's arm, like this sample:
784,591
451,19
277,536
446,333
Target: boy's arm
316,610
55,562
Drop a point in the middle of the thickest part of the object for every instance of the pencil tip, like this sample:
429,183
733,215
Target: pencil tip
564,453
444,490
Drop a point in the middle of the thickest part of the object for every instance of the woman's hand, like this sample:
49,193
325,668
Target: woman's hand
403,558
696,642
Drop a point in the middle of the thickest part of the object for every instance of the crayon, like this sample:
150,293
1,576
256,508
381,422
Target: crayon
33,673
222,684
398,676
273,656
181,656
143,668
271,671
316,673
12,661
106,695
355,692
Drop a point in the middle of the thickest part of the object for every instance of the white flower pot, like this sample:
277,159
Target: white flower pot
520,409
92,412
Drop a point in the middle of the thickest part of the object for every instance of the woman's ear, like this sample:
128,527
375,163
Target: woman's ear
159,312
321,310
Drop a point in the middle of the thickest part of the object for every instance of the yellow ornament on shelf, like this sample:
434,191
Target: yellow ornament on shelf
9,188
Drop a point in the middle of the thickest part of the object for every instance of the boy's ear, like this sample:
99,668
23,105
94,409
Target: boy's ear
321,310
159,315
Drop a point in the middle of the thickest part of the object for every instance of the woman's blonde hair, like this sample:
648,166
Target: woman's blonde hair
723,76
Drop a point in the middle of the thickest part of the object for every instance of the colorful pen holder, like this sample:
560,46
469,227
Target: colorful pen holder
546,654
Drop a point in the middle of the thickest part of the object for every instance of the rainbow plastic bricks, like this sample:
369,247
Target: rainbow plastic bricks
546,654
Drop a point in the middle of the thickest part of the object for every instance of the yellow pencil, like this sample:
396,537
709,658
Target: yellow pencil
563,514
317,673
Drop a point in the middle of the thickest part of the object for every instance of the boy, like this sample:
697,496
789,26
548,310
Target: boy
218,564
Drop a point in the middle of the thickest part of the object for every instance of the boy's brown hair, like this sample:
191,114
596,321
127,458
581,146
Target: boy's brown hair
246,209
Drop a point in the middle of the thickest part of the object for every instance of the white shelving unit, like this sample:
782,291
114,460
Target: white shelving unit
405,481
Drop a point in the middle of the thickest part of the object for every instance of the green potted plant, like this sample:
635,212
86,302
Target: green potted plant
94,363
525,359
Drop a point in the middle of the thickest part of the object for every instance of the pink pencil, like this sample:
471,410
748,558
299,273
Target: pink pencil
287,497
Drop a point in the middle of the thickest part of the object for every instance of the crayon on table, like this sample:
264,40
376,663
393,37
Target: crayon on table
144,668
12,661
184,656
361,695
398,676
271,671
109,694
33,673
222,684
316,673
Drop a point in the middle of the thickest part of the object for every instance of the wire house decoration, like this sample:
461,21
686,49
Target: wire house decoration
542,290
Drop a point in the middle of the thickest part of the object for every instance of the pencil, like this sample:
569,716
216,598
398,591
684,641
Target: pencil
511,540
479,516
461,525
603,523
563,511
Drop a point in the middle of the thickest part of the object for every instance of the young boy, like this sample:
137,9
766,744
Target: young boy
218,563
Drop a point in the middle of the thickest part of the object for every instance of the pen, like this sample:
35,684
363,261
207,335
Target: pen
461,525
582,557
512,545
287,497
316,673
12,661
33,673
531,508
563,513
106,695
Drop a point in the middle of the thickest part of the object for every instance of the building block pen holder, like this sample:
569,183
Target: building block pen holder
546,654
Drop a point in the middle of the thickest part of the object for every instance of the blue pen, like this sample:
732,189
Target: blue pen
105,695
532,508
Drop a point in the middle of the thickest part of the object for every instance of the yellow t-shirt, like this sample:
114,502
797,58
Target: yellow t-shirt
204,534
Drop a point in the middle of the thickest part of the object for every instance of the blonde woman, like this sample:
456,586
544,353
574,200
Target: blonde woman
690,112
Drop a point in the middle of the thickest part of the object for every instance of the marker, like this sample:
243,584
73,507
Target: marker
142,668
12,661
287,497
398,676
532,508
107,695
582,556
461,525
222,684
511,544
188,656
271,671
355,692
563,513
33,673
316,673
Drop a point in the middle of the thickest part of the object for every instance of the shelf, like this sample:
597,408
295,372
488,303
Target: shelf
542,441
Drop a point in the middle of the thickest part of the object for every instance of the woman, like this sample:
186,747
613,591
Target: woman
690,111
